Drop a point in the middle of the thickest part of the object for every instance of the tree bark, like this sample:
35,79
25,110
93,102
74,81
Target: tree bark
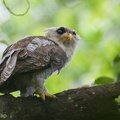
93,103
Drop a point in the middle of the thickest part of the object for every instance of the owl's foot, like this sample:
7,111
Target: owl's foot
48,95
42,95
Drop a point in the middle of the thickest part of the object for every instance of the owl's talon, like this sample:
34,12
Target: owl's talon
45,94
48,95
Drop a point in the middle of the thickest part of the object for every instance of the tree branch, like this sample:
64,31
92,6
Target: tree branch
93,103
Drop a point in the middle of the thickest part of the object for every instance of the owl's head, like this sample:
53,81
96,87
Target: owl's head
63,35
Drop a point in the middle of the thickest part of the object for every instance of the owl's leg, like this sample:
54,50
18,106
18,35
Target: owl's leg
39,80
28,91
43,93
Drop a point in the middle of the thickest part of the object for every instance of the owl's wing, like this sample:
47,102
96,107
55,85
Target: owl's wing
30,54
7,64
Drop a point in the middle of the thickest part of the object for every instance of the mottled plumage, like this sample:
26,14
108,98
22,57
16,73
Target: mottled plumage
26,64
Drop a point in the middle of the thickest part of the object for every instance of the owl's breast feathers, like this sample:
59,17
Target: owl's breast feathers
31,54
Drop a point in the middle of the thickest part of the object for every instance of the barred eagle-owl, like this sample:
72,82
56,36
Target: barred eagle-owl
26,64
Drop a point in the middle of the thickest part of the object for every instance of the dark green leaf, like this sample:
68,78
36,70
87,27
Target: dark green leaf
103,80
118,100
116,67
117,77
117,59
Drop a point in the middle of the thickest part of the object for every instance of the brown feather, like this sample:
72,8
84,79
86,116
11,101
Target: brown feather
27,62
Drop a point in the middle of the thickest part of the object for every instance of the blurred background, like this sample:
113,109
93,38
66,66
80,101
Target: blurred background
96,21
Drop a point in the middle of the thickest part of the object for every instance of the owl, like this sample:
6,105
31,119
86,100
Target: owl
26,64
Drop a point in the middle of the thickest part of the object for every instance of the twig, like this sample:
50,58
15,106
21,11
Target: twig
15,13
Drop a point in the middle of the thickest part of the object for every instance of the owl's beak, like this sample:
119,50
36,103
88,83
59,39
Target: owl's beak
69,37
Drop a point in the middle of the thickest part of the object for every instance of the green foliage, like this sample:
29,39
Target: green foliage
118,100
96,21
107,80
116,66
103,80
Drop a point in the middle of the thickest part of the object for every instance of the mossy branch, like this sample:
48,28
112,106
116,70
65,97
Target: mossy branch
93,103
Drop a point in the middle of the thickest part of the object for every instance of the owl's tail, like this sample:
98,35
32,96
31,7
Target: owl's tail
8,64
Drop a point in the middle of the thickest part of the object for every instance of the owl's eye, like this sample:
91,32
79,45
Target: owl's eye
61,30
74,33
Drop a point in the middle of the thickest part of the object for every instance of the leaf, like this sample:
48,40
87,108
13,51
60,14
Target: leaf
116,67
116,59
103,80
4,42
118,100
117,78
